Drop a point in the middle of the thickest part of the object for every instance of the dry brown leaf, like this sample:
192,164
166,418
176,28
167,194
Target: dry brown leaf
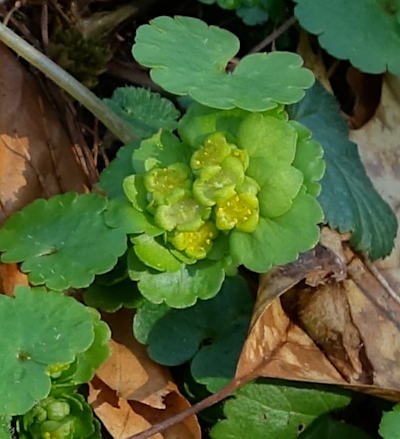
10,276
36,155
379,146
342,331
131,392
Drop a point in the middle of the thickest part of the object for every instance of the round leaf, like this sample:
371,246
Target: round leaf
63,242
366,32
181,288
175,336
203,76
38,329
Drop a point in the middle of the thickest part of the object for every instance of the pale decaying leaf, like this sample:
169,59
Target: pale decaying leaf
36,155
131,392
343,329
379,146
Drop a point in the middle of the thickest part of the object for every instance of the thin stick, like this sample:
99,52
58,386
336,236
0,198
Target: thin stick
275,34
203,404
64,80
45,27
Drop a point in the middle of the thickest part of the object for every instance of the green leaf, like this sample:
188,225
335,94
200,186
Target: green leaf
38,329
348,198
87,362
254,84
113,290
121,214
5,427
327,428
390,424
181,288
114,174
155,255
278,241
143,109
252,16
211,332
161,150
261,410
63,242
366,32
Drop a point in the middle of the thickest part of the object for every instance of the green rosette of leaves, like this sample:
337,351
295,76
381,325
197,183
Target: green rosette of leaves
59,416
237,188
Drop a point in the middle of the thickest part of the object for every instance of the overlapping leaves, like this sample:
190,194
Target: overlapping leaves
203,76
366,32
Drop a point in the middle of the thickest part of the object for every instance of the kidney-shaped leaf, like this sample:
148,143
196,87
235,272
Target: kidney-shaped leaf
366,32
189,57
63,242
211,332
38,329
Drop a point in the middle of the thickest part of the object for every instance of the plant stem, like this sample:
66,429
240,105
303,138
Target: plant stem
64,80
203,404
275,34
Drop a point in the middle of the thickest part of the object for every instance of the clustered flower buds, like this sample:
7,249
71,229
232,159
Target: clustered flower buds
194,202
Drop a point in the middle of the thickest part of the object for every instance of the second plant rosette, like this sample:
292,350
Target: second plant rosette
237,188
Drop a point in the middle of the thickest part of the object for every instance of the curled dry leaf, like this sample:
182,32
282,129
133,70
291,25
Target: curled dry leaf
341,330
36,155
379,146
131,392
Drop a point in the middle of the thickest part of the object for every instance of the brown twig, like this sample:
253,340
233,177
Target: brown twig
205,403
274,35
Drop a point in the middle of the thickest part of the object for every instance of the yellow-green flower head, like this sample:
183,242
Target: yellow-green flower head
237,186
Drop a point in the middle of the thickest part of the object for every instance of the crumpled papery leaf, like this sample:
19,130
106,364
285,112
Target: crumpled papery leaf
131,392
379,146
324,329
36,155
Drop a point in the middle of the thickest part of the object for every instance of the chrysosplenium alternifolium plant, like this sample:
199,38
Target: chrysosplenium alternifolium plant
237,188
238,185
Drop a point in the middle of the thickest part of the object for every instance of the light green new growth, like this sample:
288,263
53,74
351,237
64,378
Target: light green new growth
60,416
239,190
390,424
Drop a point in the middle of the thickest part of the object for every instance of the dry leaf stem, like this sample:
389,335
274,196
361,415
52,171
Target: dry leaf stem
64,80
205,403
274,35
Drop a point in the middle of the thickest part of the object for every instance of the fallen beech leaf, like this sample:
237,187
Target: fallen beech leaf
129,371
131,392
36,155
123,418
379,146
326,333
